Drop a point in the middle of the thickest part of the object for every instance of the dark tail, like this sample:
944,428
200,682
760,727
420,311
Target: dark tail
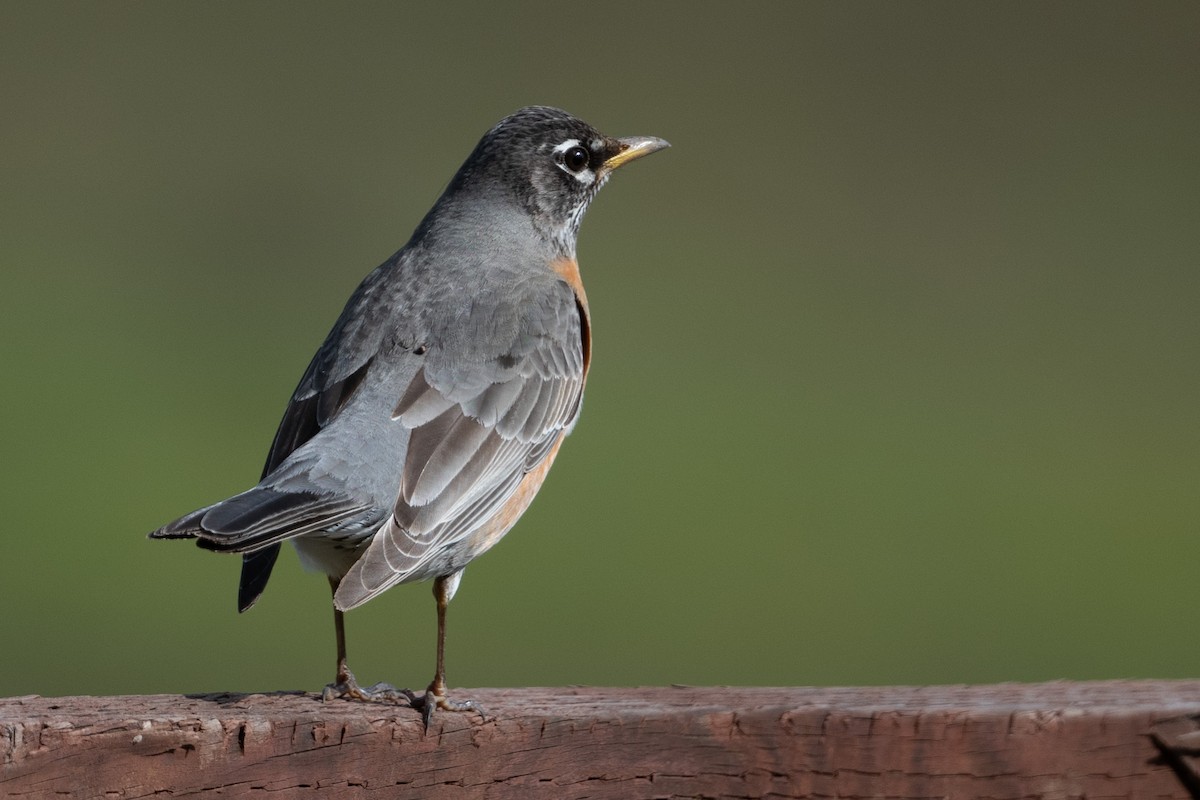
256,571
254,523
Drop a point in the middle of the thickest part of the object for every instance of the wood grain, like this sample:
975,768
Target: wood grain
1047,741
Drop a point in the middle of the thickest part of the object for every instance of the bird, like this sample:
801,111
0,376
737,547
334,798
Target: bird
428,419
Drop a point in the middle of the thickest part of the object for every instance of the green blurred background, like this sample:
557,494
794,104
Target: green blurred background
897,349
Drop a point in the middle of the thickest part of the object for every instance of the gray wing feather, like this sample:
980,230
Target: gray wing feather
394,551
339,367
421,403
448,447
478,427
332,378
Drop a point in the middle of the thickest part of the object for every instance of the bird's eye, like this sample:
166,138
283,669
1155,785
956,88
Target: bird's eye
576,158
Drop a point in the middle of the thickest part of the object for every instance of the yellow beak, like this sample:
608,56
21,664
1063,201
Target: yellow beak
634,147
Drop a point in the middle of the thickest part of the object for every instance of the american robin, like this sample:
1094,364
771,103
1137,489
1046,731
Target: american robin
428,419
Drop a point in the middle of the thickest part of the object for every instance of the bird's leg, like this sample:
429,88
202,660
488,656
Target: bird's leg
435,696
345,685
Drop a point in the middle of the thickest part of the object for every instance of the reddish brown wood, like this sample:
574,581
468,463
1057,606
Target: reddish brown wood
1178,739
1049,741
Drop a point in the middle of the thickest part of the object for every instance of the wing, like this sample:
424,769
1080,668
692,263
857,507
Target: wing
339,366
479,427
331,380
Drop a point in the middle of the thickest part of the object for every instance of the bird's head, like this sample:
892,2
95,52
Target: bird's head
549,163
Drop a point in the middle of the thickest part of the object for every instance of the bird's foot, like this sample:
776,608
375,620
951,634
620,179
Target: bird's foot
435,698
346,687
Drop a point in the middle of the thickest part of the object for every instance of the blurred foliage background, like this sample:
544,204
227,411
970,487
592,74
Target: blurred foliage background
897,349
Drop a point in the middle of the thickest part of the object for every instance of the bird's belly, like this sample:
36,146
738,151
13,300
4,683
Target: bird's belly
332,552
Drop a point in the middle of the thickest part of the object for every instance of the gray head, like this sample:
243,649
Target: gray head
548,163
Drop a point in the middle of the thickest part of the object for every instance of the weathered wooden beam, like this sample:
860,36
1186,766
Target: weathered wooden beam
1052,741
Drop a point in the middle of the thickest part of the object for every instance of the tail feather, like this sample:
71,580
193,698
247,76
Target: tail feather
256,571
259,518
254,523
186,527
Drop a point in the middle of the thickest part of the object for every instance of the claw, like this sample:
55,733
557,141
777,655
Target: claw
433,700
346,687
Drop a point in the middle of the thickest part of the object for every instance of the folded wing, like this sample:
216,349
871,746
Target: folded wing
480,426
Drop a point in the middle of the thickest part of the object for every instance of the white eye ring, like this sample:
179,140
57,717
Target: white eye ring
567,157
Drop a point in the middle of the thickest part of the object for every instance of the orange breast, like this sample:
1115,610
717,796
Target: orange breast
568,270
508,514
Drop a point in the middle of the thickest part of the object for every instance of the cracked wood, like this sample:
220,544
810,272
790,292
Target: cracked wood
1050,741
